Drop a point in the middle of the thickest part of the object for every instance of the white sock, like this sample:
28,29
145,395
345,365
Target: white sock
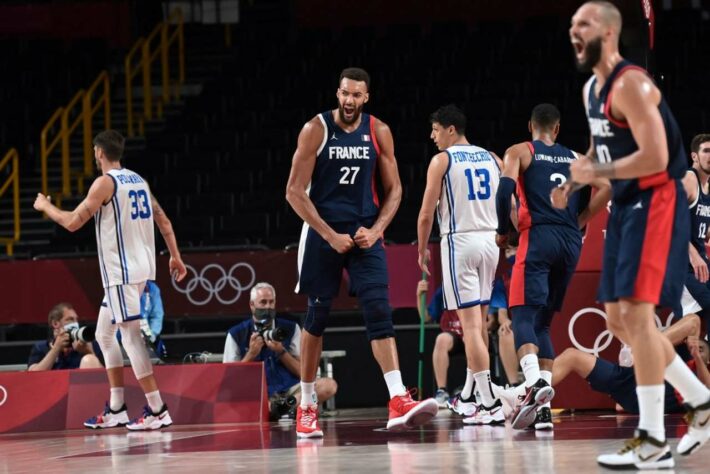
531,369
546,375
468,386
684,380
483,382
651,404
308,394
393,379
154,401
116,400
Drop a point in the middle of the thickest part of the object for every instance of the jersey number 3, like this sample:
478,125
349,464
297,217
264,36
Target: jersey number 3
483,178
140,207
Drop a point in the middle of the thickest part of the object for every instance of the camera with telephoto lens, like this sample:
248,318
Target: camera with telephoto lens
264,329
281,406
84,334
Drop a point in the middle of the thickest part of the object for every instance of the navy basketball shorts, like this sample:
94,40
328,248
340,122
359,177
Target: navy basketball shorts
620,383
544,264
646,247
696,295
320,267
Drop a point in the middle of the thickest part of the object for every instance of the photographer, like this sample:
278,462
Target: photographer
277,343
60,351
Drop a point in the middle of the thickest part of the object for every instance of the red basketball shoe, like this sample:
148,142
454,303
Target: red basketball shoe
406,413
307,422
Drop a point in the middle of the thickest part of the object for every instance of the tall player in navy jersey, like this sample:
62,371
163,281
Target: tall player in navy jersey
332,188
550,243
638,146
696,294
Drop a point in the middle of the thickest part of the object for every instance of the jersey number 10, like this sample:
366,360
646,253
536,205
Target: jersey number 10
140,206
483,178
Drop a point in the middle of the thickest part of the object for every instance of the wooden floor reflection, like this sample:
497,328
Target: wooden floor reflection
355,441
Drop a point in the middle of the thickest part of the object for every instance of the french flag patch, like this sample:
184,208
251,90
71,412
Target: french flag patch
366,138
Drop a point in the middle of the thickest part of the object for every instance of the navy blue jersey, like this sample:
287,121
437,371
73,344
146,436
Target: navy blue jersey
613,138
343,182
548,169
699,219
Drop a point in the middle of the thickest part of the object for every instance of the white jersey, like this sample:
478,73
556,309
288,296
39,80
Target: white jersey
125,236
468,193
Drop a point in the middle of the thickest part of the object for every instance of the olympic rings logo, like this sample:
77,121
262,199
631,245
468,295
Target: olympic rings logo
226,281
4,395
659,323
602,341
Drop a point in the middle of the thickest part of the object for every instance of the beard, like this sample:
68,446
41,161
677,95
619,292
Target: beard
356,114
592,55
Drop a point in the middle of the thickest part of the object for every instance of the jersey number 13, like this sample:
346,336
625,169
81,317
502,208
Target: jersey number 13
483,181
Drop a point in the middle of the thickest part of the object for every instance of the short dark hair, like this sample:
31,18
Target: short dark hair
449,115
699,140
356,74
56,313
545,116
112,143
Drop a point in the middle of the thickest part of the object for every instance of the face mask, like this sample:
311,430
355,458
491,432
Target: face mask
70,326
264,314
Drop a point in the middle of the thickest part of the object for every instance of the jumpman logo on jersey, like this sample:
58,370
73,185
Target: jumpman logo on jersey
333,137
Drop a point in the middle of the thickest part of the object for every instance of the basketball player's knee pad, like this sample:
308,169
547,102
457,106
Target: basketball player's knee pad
106,337
134,345
317,315
523,320
374,302
542,332
544,343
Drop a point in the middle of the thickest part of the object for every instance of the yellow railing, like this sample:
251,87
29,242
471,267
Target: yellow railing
67,129
89,110
80,110
144,64
64,122
45,149
11,159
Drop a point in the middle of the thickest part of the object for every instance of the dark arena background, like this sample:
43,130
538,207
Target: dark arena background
211,96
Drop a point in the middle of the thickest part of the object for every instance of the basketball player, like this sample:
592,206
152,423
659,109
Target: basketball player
124,211
550,242
461,184
639,147
618,381
695,183
332,188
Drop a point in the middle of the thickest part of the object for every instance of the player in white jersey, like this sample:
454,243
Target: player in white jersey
462,182
124,211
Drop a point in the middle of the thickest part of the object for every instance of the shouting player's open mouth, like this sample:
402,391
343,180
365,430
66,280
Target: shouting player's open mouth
578,46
